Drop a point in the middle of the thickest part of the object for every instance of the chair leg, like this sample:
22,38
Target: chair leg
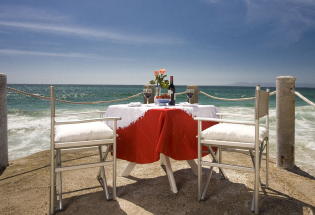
199,171
223,175
253,161
267,163
52,183
114,170
257,182
104,156
101,177
215,159
204,192
193,166
59,180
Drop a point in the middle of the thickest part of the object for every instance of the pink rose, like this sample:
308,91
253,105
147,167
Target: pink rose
156,73
162,71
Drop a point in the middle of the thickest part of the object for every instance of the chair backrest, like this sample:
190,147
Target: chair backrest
262,103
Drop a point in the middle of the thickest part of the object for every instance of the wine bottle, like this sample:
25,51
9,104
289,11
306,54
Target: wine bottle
171,91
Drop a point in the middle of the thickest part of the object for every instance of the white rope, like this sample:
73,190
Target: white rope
138,94
225,99
100,102
70,102
181,93
236,99
28,94
304,98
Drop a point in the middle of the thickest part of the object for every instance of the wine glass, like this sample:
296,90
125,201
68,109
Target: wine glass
189,93
147,92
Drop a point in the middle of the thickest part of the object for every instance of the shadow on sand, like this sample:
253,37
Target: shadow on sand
153,196
42,167
298,171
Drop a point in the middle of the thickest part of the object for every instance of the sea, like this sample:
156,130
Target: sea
29,118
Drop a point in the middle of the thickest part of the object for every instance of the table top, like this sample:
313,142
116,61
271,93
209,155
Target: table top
133,111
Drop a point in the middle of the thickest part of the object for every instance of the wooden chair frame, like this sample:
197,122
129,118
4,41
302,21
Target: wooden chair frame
56,148
256,153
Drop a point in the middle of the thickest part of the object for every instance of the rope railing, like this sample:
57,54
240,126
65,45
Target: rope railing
138,94
181,93
70,102
28,94
100,102
304,98
226,99
234,99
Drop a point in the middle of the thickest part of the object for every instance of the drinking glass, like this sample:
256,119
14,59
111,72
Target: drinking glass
189,94
147,93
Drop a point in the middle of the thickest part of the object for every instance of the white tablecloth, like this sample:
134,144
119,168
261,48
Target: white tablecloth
133,111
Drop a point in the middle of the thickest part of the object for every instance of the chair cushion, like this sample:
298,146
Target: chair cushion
82,132
233,133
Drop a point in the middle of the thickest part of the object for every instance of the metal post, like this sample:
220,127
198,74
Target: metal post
152,87
3,123
285,121
194,98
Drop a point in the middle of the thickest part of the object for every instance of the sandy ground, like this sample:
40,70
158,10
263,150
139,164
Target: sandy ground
24,189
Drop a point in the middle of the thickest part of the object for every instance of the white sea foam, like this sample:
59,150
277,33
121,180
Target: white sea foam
304,132
29,133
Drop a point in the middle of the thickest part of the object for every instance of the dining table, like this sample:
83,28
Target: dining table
149,132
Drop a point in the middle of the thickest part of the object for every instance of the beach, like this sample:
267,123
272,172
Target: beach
153,81
24,189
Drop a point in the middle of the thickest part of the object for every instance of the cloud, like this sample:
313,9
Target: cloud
90,33
212,1
15,52
48,21
50,54
287,20
24,13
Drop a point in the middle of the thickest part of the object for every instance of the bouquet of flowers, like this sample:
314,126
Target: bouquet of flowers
159,77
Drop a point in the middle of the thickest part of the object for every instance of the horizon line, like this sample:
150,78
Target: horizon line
181,85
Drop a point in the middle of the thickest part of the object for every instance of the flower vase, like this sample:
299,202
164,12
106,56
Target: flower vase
157,93
158,90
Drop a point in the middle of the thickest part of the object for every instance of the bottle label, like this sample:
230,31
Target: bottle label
170,92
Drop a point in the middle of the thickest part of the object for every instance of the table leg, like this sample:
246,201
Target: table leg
169,172
128,169
193,166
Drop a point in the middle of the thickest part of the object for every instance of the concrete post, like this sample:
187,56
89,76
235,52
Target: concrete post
285,105
3,123
195,98
151,99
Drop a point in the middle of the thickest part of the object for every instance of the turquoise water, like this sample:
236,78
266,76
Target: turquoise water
28,118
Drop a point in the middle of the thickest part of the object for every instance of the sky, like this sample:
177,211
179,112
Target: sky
202,42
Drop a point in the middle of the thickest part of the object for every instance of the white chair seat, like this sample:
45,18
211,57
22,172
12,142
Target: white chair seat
238,135
82,132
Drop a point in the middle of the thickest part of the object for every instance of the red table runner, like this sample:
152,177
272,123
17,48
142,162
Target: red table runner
169,131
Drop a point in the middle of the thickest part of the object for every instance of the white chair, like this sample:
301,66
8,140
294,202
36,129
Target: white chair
75,135
240,136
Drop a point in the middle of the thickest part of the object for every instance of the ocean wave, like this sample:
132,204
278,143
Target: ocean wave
29,131
304,131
